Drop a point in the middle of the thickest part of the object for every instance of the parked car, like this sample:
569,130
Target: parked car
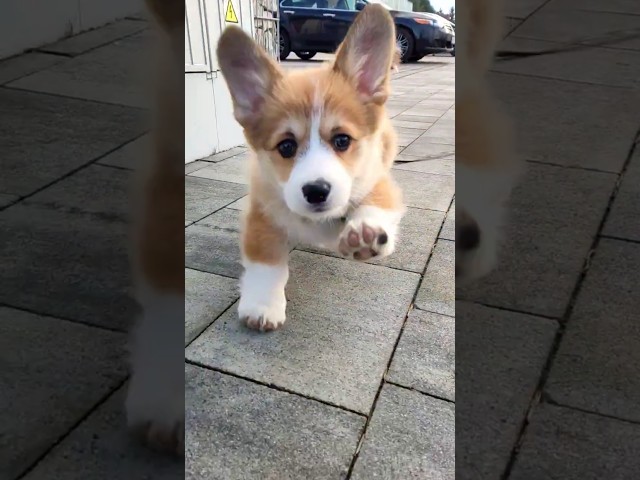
311,26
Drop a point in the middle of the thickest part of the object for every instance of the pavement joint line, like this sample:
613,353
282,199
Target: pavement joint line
218,209
70,97
527,17
512,310
115,167
71,429
421,392
546,399
621,239
62,319
356,454
572,167
272,386
222,313
546,371
211,273
565,80
70,172
432,311
48,52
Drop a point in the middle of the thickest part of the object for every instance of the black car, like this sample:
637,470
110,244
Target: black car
311,26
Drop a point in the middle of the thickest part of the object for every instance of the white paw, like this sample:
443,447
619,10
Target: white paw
365,238
156,415
263,304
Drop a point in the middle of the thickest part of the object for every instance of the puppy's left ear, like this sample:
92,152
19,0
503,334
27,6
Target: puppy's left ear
366,55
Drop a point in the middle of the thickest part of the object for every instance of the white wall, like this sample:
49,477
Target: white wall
26,24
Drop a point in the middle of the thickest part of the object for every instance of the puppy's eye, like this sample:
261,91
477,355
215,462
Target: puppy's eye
341,142
287,148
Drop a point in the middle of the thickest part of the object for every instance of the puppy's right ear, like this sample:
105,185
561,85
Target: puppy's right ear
249,72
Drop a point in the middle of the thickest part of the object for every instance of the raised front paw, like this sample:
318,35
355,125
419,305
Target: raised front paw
364,239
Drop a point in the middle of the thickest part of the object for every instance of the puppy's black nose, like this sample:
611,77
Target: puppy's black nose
468,236
316,192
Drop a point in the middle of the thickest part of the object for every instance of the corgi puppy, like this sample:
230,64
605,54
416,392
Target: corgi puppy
155,396
486,164
323,147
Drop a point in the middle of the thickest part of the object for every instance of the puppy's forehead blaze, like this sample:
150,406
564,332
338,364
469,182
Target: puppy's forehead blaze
295,101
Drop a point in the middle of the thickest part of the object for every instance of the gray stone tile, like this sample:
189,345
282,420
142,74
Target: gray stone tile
206,297
116,73
214,244
424,148
406,136
417,118
499,358
241,204
101,447
624,218
438,289
425,357
418,231
605,131
233,170
448,231
441,133
422,190
131,156
46,361
434,166
612,6
563,443
21,65
232,152
564,23
338,337
522,8
545,246
410,435
98,37
204,196
46,137
419,126
193,166
6,199
45,242
238,429
602,66
594,367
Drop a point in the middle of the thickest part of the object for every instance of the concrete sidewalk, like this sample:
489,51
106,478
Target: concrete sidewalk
360,382
550,340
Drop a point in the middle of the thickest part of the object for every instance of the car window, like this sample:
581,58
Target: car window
342,4
328,4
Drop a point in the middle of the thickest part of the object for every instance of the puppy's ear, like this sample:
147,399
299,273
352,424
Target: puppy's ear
366,55
250,74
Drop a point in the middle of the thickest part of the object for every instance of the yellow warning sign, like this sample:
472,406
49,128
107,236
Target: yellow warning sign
231,16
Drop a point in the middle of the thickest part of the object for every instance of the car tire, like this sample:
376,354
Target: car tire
404,39
285,45
305,55
416,58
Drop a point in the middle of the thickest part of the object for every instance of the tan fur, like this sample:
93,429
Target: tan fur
262,241
385,194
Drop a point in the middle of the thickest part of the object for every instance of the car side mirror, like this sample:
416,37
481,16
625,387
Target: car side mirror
360,5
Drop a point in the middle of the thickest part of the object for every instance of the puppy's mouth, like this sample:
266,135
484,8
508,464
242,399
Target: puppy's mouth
321,213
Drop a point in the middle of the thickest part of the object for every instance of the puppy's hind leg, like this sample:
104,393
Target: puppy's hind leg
264,257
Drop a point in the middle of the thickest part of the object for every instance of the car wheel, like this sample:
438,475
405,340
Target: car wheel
416,58
453,52
285,45
305,55
405,42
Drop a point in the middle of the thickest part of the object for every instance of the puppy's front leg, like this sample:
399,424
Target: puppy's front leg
372,228
264,257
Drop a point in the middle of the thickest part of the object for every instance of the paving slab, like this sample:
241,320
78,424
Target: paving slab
601,66
594,367
101,447
411,435
213,245
338,337
547,239
448,231
95,38
572,445
50,233
232,152
204,196
424,190
45,361
425,357
522,8
6,199
233,170
112,74
438,289
131,155
425,148
608,120
406,136
434,166
46,137
418,232
624,218
21,65
499,358
207,296
236,429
